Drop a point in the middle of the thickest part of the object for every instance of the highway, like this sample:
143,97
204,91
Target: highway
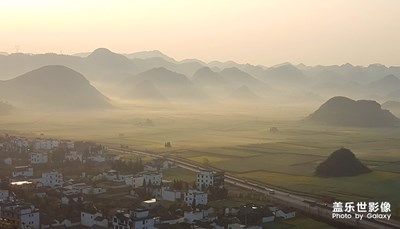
283,197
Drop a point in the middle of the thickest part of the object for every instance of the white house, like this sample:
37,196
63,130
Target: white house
52,179
46,144
21,142
39,158
72,198
4,194
138,219
135,182
198,197
62,222
152,178
97,158
206,179
285,213
73,156
70,144
27,216
170,195
82,188
23,171
94,218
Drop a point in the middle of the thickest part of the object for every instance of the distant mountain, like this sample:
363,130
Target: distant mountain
193,61
256,71
386,84
5,108
342,111
17,64
153,62
149,54
238,78
189,67
222,65
105,59
3,53
341,163
51,87
169,83
82,54
391,105
205,77
244,93
146,91
284,74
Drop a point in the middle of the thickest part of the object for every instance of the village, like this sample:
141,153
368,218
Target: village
50,183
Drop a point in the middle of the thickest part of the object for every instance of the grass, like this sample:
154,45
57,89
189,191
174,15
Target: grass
179,174
236,139
206,159
379,186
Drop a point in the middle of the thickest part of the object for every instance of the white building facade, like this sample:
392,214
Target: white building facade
206,179
39,158
52,179
196,197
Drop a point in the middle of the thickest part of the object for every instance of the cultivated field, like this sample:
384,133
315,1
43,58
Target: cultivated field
237,139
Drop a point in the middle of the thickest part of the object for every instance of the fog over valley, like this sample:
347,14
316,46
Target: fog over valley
102,78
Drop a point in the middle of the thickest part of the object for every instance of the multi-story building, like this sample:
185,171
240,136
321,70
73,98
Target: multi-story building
152,178
134,181
22,171
52,179
138,219
73,156
20,215
39,158
195,197
206,179
93,218
46,144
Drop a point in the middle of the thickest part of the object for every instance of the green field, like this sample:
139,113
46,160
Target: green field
237,139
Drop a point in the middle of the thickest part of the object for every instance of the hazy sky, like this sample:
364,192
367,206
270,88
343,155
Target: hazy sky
260,32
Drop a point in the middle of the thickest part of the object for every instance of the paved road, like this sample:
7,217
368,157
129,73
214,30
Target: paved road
285,197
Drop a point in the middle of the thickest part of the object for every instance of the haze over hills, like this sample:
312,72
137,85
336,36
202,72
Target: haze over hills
169,83
145,91
393,106
205,77
342,111
385,85
237,78
53,87
244,93
286,74
150,54
286,82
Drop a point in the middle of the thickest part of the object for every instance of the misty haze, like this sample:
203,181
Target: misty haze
212,122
